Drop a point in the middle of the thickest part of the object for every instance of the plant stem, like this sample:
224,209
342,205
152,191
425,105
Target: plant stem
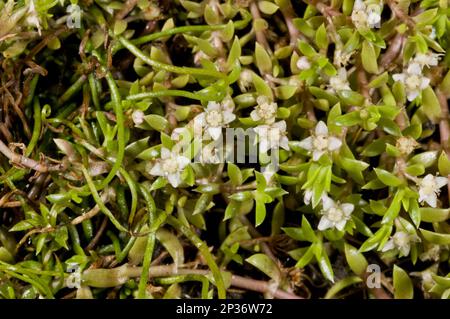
167,67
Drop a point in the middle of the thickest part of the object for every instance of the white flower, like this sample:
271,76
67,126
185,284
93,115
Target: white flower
400,241
373,15
215,117
265,110
413,80
429,188
339,82
170,165
303,63
426,59
138,117
366,16
334,215
320,142
272,136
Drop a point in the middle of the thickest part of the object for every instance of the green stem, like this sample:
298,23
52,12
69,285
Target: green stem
94,91
204,251
151,207
74,88
162,93
32,90
167,67
99,201
36,129
185,29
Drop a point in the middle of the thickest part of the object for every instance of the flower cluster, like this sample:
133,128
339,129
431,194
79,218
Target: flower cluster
412,76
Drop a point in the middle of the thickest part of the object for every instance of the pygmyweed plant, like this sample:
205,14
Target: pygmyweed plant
302,146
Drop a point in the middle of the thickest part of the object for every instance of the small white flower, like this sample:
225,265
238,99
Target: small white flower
429,189
264,111
320,142
339,82
138,117
426,59
170,165
366,16
400,241
272,136
373,15
303,63
334,215
413,80
215,117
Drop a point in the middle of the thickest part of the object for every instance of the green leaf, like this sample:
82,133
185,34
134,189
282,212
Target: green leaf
427,159
387,178
342,284
263,61
434,215
261,86
235,53
444,164
235,175
157,122
430,104
267,7
266,265
369,57
306,49
403,287
435,238
356,260
321,37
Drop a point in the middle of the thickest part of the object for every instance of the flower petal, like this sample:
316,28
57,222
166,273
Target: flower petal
317,155
389,245
431,200
340,225
321,128
228,117
441,181
215,132
174,179
327,203
334,143
399,77
347,208
307,143
325,223
255,116
157,170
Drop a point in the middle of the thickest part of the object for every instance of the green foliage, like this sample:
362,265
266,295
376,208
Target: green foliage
102,168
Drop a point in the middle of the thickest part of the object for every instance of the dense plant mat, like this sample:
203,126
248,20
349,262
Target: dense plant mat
107,105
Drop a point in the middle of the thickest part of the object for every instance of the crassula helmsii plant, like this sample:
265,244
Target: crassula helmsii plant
292,149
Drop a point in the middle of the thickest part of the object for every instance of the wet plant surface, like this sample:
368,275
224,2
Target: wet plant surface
239,149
